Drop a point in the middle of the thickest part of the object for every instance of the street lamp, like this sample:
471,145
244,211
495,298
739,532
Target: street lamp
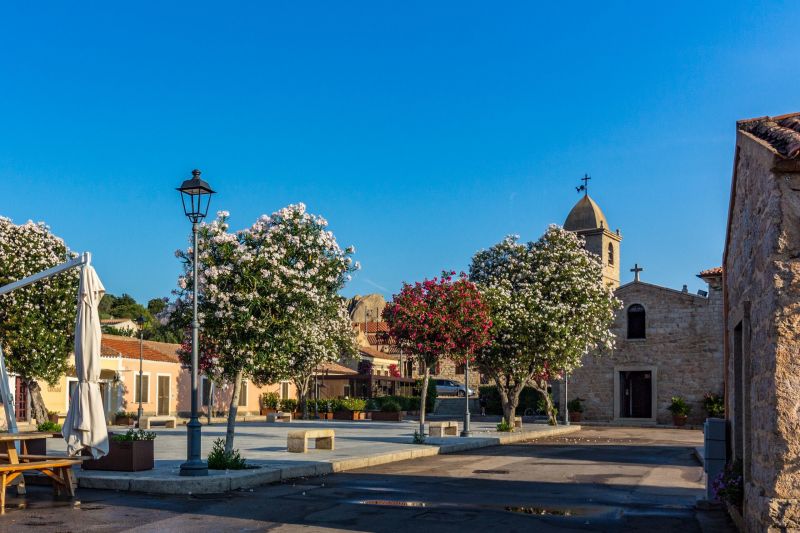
140,322
196,197
466,432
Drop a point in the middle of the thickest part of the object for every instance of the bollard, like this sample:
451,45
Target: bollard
714,451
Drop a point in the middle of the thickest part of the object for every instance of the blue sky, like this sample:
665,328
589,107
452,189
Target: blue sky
423,131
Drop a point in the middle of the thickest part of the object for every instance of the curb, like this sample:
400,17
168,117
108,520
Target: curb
247,479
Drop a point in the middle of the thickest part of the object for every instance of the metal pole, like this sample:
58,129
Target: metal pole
466,432
194,466
316,396
566,398
140,412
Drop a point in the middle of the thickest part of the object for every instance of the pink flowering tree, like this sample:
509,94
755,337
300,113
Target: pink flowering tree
264,291
438,318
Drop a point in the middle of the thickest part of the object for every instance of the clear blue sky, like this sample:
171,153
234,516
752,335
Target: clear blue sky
423,131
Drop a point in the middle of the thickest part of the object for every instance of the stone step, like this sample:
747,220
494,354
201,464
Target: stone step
455,406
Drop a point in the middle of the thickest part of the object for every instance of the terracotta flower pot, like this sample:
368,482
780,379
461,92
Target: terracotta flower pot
53,418
267,410
325,416
575,416
679,420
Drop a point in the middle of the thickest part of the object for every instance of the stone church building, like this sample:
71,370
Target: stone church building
668,342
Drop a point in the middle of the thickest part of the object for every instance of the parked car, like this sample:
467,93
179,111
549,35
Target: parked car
448,387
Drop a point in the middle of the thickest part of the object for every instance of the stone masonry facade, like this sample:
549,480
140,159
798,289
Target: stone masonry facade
762,320
681,352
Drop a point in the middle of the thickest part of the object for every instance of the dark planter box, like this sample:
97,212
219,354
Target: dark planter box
575,416
53,418
267,410
37,446
350,415
129,456
124,421
679,420
384,416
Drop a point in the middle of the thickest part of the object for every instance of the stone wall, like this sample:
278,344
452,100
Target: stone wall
682,348
762,272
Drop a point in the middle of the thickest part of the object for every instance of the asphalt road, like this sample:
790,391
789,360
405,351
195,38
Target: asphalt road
596,480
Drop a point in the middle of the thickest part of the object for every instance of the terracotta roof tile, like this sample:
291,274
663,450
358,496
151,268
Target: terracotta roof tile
372,352
716,271
781,133
128,348
372,327
335,368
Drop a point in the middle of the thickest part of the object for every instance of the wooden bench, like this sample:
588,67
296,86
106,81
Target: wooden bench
169,421
517,422
443,429
279,417
297,441
58,469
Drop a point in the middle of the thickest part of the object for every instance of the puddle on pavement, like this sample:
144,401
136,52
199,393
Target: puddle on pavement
584,511
490,471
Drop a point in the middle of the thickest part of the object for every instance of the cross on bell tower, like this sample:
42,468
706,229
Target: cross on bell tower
636,269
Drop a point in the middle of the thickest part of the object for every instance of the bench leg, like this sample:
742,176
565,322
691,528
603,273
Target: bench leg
324,443
3,495
171,424
297,445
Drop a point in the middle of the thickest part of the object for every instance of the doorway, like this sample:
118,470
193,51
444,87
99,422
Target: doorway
636,394
162,407
20,400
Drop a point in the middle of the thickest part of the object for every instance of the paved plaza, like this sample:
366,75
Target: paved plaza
599,479
358,444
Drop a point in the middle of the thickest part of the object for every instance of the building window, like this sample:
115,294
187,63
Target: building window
610,254
460,368
636,322
145,388
243,394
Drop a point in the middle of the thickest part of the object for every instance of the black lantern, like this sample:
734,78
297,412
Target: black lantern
196,197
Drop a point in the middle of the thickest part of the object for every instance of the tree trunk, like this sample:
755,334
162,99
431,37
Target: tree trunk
232,411
423,397
38,409
302,392
541,387
509,397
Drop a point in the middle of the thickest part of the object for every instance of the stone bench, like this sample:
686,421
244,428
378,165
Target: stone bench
279,417
443,429
297,441
169,421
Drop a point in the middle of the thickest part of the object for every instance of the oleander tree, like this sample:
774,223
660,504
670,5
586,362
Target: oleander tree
37,322
549,306
257,288
323,336
435,319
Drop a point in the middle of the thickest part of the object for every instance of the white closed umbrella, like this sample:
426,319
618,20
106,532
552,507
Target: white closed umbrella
85,426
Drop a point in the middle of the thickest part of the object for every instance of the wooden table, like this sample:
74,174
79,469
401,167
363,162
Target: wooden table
13,464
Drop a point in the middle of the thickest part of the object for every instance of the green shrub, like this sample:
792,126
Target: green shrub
528,399
430,399
353,404
219,460
48,426
134,434
679,407
504,426
391,406
270,400
373,405
419,438
575,405
289,405
714,404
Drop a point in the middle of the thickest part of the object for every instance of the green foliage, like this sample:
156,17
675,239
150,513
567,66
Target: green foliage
218,459
504,426
419,438
430,399
352,404
391,406
289,405
575,405
270,400
714,404
728,485
156,305
48,426
679,407
372,405
529,398
134,434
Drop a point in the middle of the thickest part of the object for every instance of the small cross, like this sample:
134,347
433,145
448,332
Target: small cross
636,269
585,187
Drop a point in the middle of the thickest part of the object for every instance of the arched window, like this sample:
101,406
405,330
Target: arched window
610,254
636,322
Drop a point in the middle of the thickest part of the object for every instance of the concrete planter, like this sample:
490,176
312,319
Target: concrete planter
350,415
128,456
387,416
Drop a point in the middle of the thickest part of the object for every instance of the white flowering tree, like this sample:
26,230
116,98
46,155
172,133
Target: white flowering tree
257,288
549,306
323,336
37,322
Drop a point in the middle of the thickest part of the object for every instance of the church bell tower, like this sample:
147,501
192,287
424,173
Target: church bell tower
587,220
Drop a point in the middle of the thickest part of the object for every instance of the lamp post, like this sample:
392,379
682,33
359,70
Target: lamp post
466,432
140,412
196,197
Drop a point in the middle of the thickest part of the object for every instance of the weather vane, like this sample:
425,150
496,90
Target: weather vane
584,188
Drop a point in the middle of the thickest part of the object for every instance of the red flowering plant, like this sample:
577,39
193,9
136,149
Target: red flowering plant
394,371
436,318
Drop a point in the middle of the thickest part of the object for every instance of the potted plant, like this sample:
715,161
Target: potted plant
325,410
575,409
127,452
123,418
39,446
269,403
714,404
351,409
680,410
289,405
52,416
390,412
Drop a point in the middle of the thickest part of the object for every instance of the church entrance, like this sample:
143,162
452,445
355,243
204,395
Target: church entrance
636,394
